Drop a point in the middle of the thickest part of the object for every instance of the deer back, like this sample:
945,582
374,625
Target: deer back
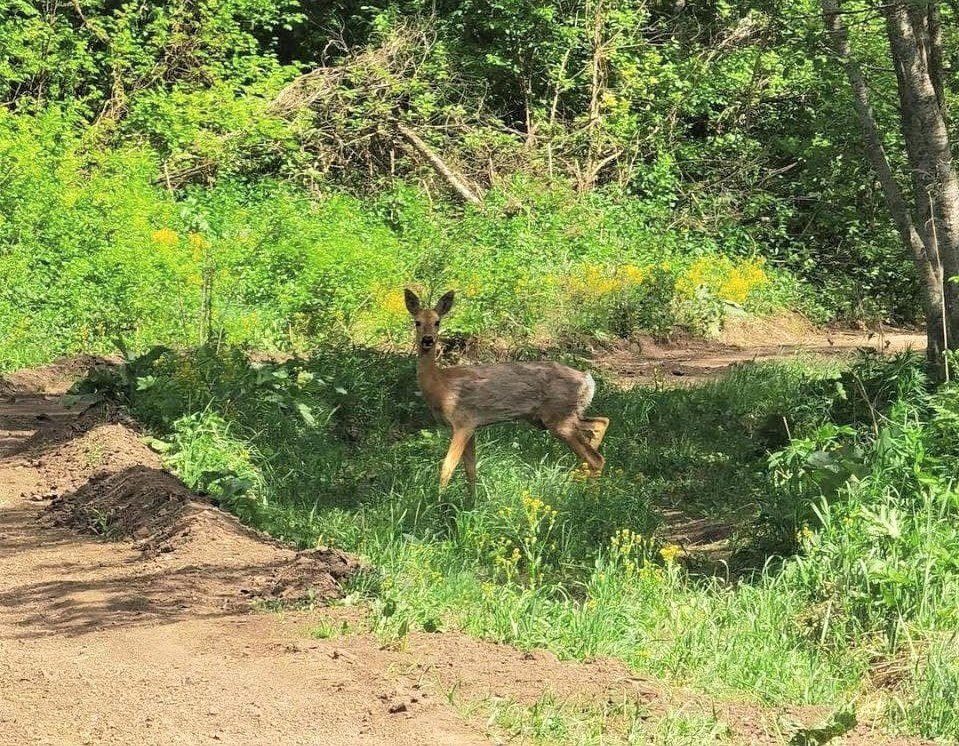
543,392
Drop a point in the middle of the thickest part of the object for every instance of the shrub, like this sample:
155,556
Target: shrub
91,248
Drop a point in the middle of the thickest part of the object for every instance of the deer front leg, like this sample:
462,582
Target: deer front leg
461,437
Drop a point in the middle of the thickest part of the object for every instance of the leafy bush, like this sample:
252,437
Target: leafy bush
91,248
880,556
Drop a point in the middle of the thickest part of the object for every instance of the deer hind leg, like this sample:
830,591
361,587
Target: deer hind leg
461,436
570,434
469,462
595,428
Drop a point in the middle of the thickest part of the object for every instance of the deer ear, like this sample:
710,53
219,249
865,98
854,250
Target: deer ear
412,302
445,304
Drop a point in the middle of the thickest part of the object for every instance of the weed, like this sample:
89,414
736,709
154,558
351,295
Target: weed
328,630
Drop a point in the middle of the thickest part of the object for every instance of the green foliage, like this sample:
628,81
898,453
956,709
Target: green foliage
75,251
92,249
881,562
99,55
928,704
721,121
168,181
335,449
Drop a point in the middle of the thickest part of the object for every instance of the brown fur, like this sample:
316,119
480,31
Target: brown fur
546,394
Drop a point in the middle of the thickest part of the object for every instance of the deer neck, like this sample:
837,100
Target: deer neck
430,377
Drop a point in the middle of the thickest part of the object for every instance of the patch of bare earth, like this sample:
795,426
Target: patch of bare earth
125,618
743,340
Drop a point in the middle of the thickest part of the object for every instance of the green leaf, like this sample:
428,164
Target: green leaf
306,413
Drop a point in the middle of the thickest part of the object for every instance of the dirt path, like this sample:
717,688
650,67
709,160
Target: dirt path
150,639
745,340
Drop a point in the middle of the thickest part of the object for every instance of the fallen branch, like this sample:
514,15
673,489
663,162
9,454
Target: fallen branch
452,178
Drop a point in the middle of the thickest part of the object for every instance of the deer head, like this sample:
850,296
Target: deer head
427,320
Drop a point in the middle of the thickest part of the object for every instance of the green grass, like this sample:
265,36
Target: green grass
844,554
551,720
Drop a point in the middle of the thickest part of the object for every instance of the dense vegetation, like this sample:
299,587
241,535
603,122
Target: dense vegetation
96,255
226,175
172,165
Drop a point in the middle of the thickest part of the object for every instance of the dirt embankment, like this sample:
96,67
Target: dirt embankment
125,618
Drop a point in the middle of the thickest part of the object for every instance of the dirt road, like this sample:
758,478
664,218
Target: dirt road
149,638
745,340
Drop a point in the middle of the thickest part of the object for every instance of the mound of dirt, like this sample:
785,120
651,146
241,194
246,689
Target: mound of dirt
104,480
53,379
163,517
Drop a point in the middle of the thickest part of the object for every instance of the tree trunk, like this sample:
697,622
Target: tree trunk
932,233
914,51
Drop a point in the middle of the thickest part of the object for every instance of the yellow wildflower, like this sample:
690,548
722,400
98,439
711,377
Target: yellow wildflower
670,552
394,303
594,281
633,275
742,281
165,237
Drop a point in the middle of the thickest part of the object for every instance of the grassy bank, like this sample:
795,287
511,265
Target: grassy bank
843,581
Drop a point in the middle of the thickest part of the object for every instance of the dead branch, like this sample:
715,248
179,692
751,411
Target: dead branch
451,177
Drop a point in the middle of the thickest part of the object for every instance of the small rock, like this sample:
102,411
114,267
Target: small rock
397,707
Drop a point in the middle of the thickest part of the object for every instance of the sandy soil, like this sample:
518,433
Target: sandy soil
126,617
744,340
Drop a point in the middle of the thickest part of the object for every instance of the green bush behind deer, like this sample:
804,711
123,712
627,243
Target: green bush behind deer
92,247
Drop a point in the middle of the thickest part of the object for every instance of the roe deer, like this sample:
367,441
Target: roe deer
546,394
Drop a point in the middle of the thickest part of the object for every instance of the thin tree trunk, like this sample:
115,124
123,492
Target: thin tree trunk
839,41
587,177
915,44
597,65
924,126
554,108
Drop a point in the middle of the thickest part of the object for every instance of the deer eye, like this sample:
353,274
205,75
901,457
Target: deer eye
419,323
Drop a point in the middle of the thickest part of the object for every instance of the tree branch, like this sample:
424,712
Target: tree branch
451,177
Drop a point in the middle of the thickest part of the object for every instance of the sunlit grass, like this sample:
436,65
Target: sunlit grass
338,450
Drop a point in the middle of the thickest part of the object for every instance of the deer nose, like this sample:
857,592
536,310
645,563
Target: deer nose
428,341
